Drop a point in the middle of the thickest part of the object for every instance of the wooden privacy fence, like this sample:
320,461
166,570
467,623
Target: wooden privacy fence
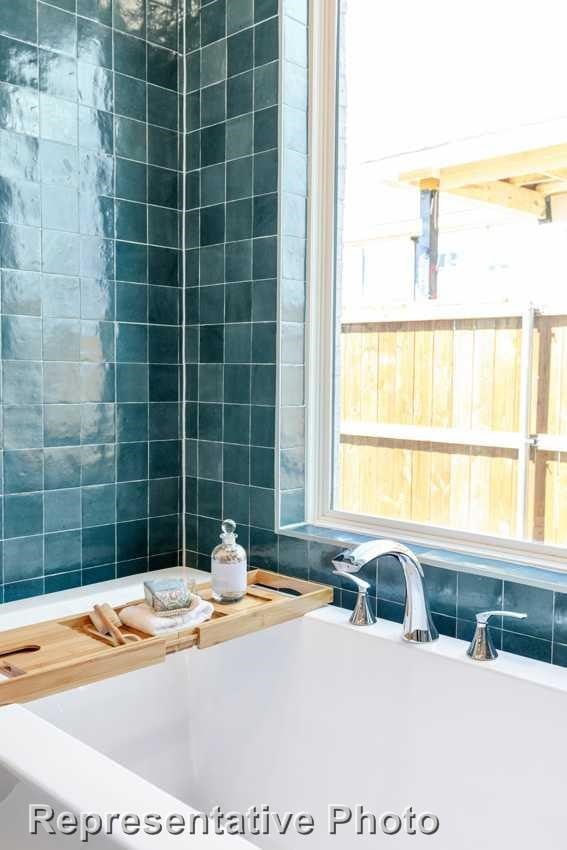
457,421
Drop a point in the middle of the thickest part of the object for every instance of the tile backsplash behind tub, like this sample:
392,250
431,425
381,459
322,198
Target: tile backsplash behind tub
90,297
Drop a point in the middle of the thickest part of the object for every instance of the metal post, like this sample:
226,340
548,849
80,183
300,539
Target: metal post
527,440
426,245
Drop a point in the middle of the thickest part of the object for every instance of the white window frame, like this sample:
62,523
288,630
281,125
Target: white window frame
322,327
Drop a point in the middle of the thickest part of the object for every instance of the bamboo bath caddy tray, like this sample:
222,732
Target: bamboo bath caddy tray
61,655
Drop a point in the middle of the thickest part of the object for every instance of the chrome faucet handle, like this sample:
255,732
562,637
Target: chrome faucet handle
361,615
482,648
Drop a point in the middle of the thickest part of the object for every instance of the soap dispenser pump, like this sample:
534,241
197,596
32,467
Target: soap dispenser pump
228,566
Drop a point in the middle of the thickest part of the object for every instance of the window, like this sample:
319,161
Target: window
439,210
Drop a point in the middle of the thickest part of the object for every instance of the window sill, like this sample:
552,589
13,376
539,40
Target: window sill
534,576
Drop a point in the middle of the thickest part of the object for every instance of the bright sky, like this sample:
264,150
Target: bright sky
424,74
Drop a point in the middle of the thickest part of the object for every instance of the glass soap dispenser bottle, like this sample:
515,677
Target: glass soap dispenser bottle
228,566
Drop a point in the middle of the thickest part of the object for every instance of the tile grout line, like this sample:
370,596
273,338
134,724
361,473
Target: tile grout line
183,357
41,260
115,406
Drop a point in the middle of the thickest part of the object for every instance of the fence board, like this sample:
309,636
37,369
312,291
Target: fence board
443,373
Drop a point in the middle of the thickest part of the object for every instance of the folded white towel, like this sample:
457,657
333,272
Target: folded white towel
144,619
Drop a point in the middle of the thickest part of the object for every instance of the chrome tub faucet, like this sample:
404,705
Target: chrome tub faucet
418,626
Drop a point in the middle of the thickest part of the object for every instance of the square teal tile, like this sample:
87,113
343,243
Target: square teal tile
23,471
57,29
98,545
131,500
62,510
98,505
132,540
62,552
23,426
20,20
62,424
23,515
23,560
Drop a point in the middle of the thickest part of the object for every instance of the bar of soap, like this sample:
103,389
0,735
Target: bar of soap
167,594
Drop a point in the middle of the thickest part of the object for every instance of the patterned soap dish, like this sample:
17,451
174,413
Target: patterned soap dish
178,612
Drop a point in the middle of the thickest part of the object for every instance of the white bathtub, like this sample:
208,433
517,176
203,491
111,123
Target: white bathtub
298,717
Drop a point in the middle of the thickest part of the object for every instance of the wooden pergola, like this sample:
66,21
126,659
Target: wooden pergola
524,181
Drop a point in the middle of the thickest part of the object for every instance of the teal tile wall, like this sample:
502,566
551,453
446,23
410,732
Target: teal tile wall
90,291
233,71
246,187
100,271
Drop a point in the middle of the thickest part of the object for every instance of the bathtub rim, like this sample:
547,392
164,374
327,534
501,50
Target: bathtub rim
510,665
120,591
107,786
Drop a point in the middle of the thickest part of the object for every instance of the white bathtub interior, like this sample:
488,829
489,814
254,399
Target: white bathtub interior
315,712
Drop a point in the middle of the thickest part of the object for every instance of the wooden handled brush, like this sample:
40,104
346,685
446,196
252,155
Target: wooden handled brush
109,625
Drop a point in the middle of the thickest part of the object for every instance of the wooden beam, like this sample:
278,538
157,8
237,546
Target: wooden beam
557,174
538,160
530,179
504,194
429,183
552,187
